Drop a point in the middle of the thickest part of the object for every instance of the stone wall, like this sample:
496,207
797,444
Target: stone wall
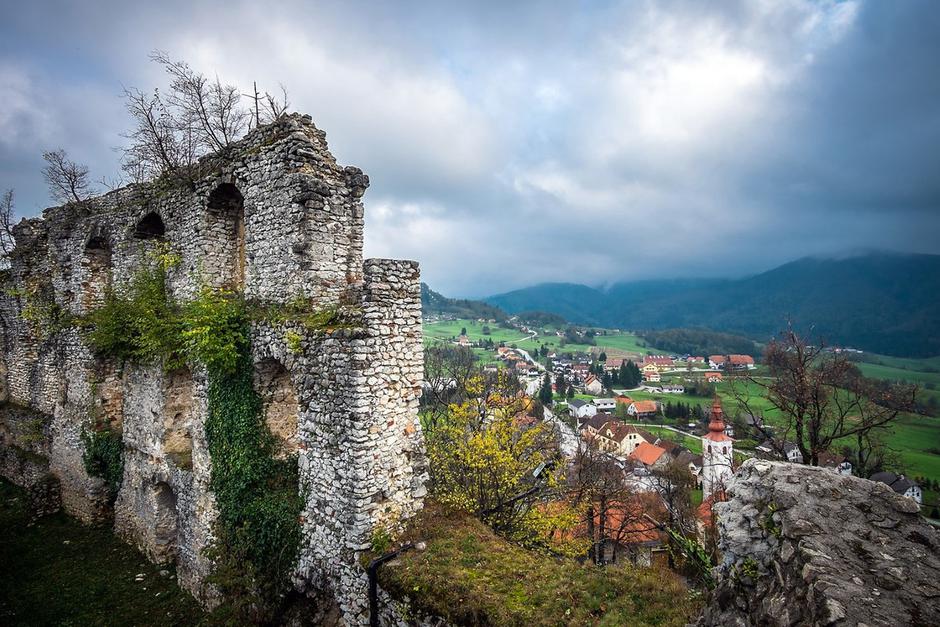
806,546
279,219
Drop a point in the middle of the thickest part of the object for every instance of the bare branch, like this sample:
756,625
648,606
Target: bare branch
67,180
6,226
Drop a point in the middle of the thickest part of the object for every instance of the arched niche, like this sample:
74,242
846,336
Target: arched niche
273,383
96,262
150,227
178,418
165,522
226,218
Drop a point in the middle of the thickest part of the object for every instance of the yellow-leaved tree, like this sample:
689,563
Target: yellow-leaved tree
490,458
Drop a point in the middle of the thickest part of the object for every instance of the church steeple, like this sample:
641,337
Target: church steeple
717,453
717,423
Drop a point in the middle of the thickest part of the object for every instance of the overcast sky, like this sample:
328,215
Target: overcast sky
507,145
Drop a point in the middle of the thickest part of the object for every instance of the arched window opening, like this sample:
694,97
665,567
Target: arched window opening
96,263
227,221
165,523
150,227
272,381
178,418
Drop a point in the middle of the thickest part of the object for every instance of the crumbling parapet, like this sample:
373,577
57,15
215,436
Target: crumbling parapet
806,546
278,220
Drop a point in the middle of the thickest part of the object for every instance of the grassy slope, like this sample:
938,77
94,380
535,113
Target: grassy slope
59,572
470,576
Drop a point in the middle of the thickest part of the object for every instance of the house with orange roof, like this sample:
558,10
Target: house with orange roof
660,362
741,362
643,409
650,455
712,377
624,532
652,377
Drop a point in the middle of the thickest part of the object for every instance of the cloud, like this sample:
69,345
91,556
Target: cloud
510,143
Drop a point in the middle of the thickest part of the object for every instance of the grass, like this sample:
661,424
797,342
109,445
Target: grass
470,576
60,572
614,343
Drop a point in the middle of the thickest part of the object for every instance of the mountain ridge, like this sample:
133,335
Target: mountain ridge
883,302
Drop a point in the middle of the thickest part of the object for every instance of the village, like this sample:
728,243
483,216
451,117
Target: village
624,409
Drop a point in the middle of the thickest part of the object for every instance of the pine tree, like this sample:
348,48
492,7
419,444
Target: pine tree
545,393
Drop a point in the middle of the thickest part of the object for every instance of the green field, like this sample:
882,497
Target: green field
613,343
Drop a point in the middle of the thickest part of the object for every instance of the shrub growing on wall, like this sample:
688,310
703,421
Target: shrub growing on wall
104,456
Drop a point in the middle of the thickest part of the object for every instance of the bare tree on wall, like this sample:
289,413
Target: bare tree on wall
67,180
194,117
6,227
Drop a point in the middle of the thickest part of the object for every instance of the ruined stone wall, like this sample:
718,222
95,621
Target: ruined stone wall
806,546
278,218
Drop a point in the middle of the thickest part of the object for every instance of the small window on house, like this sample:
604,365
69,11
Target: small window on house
150,227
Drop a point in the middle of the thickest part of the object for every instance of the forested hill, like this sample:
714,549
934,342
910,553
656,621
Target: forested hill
434,303
881,302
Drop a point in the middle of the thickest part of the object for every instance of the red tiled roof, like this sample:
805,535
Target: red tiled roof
647,453
741,359
645,407
718,359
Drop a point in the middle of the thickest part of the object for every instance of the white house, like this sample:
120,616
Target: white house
673,389
900,484
592,385
792,452
581,409
605,404
717,454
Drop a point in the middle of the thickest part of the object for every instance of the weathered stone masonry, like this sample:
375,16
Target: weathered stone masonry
274,216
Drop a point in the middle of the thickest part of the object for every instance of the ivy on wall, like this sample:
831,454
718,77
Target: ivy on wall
257,533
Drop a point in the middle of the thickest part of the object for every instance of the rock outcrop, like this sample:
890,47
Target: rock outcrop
805,546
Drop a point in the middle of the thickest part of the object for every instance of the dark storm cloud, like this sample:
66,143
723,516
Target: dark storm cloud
510,143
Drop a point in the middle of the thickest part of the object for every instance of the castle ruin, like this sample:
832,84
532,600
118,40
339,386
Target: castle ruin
274,217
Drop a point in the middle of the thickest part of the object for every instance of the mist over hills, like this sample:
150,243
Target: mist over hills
882,302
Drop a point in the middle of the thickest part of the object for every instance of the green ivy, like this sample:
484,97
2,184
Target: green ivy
104,456
258,529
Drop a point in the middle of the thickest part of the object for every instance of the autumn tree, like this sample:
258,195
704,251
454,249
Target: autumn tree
484,460
822,398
